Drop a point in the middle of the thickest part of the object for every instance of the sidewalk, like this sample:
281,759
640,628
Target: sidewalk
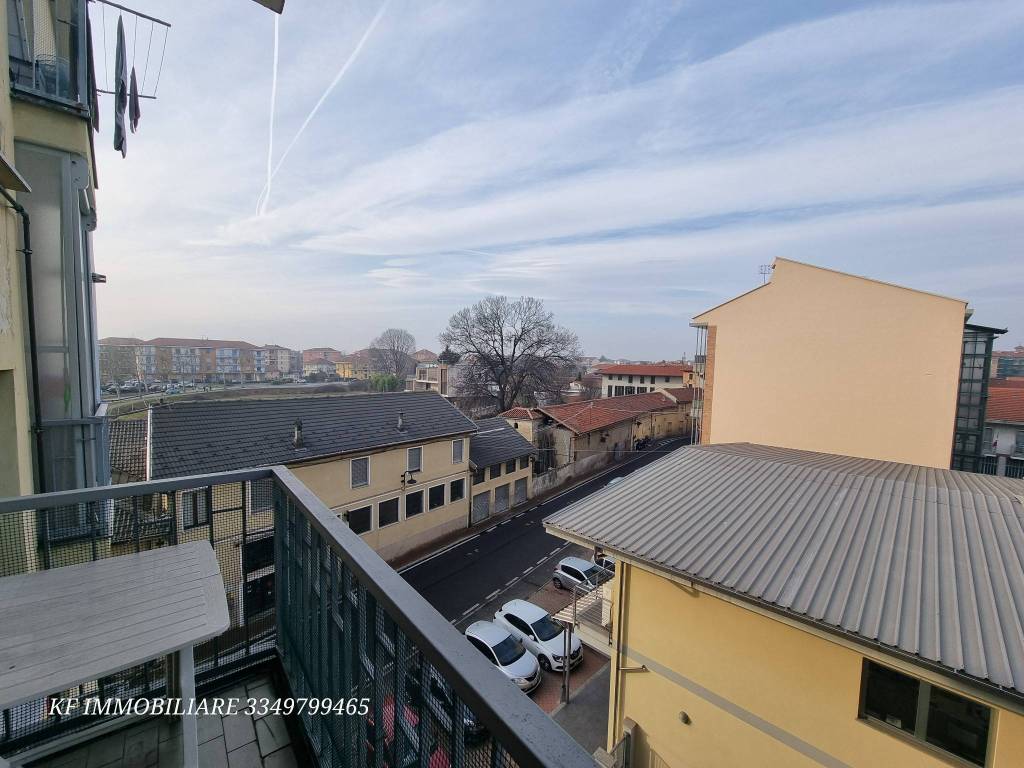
585,717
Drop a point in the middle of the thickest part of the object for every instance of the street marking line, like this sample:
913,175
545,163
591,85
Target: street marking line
447,549
509,584
490,529
555,550
541,561
470,609
493,594
519,515
529,569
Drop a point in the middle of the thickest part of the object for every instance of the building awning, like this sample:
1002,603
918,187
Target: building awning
10,179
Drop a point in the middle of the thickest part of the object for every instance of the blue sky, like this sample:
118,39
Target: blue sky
629,163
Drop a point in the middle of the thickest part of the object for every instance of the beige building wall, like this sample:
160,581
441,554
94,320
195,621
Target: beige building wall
659,383
824,361
331,481
757,690
489,484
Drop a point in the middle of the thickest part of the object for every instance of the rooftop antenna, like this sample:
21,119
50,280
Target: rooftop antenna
764,270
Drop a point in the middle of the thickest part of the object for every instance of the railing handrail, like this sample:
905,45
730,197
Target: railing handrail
125,490
536,739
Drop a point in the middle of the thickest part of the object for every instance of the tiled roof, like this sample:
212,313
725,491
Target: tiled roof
595,414
220,435
120,341
918,561
1005,404
169,341
128,447
519,412
424,356
496,441
681,394
1013,354
677,369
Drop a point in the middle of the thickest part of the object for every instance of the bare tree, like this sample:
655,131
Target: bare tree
392,352
512,350
117,363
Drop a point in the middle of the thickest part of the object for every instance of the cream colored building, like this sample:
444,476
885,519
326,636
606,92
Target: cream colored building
45,143
639,378
501,466
748,630
826,361
395,465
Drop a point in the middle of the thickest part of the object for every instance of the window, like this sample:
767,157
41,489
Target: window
1019,446
925,712
435,496
194,509
495,471
413,504
510,466
619,391
457,451
360,472
524,462
519,624
360,520
415,459
456,490
479,474
642,380
609,390
629,379
387,512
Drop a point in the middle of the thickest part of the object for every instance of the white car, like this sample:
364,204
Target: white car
577,572
543,636
506,653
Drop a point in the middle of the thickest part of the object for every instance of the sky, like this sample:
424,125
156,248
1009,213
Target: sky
631,164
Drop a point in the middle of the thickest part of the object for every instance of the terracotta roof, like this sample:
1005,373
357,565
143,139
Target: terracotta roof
1011,381
681,394
597,414
519,412
1005,404
171,341
1016,353
120,341
424,356
646,370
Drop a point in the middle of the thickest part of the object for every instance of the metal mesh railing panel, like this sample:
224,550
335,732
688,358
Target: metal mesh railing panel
337,642
236,518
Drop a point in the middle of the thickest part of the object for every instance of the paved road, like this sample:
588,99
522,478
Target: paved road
461,581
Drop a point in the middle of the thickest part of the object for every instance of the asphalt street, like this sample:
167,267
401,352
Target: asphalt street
512,558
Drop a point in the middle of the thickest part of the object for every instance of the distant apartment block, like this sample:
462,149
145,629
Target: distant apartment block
821,360
1008,364
198,360
619,380
321,353
434,377
321,366
1004,429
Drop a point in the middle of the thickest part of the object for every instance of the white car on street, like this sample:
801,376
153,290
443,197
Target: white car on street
577,572
506,653
543,636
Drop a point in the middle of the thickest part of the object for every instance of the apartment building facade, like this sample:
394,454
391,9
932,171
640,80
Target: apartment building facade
394,466
52,420
322,353
786,364
776,607
1008,364
501,466
193,360
637,379
1004,430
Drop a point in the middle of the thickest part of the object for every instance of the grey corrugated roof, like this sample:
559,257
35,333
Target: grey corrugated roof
497,441
925,561
128,447
220,435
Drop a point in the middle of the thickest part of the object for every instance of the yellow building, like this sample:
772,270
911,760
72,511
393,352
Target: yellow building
394,466
775,607
825,361
500,460
47,169
638,378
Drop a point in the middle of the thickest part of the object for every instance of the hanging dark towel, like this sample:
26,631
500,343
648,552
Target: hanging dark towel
94,100
120,92
134,112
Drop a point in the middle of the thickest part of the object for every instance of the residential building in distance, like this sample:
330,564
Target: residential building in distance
785,364
618,380
434,377
360,365
608,428
394,466
1008,364
424,356
191,360
281,361
525,421
322,353
834,584
500,462
320,365
1004,429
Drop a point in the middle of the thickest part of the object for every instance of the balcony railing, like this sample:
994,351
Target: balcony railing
302,587
47,49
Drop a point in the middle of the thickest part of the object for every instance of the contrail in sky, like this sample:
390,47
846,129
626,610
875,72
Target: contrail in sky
261,204
337,78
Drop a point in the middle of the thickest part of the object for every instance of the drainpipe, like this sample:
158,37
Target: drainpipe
37,430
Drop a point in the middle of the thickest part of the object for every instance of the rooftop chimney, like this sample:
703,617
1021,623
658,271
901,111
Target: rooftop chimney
297,436
401,421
